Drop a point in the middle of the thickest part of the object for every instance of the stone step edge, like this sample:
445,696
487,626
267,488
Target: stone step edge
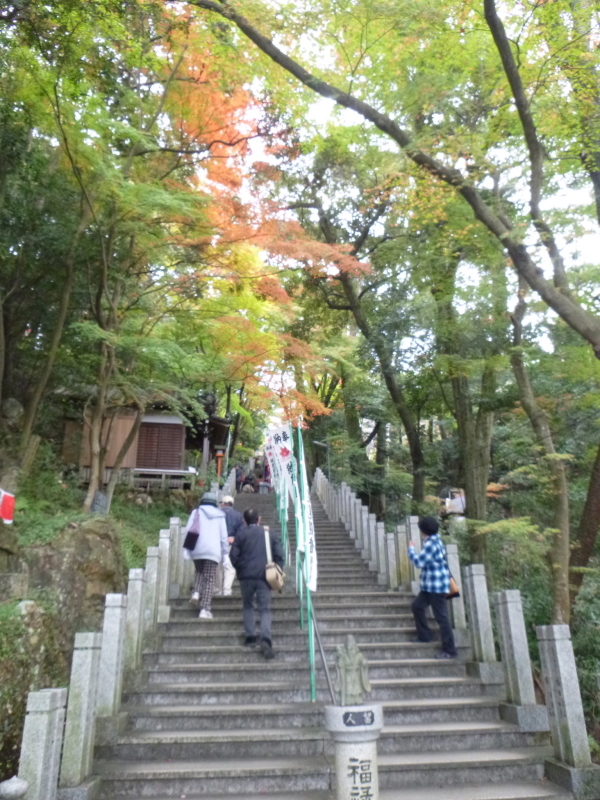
494,791
448,759
312,733
417,704
291,665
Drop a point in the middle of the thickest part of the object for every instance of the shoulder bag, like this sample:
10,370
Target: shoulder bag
274,575
453,584
193,533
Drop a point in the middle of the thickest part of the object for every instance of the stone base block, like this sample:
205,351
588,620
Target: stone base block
486,671
372,565
90,790
358,545
530,719
381,580
164,614
583,783
415,587
14,585
174,591
108,729
461,637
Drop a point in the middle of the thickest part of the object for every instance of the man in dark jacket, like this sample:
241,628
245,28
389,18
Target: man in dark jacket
249,557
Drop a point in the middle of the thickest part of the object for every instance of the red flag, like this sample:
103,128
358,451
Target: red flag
7,507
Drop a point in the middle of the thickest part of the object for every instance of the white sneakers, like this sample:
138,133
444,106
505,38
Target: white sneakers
195,598
204,614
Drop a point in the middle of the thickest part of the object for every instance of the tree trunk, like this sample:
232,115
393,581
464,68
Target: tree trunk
561,606
65,299
95,425
474,444
587,533
125,447
2,349
384,357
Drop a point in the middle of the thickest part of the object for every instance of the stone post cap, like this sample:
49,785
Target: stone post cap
88,641
401,528
137,575
46,700
165,533
508,596
390,535
152,552
381,526
116,601
553,632
14,788
451,547
354,723
475,569
414,518
174,521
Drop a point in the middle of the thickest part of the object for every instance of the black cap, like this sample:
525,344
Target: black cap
429,526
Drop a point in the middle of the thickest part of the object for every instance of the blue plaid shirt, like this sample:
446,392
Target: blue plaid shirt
435,575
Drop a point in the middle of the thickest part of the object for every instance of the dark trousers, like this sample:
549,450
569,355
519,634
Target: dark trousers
252,588
439,605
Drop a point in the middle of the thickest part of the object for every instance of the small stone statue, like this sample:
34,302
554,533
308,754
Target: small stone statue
13,788
352,678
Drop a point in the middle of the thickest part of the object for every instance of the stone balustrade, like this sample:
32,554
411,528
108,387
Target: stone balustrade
101,662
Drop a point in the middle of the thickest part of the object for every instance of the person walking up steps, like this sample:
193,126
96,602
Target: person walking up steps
210,550
235,523
435,585
249,557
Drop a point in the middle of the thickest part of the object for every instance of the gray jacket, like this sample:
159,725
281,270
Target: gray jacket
212,543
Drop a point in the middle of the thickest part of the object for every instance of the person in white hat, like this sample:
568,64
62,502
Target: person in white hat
235,522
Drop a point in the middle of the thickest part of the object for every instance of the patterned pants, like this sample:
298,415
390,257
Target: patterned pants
206,572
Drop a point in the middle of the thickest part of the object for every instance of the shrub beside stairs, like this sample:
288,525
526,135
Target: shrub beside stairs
211,718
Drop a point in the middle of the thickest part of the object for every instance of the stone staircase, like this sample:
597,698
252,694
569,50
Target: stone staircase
210,718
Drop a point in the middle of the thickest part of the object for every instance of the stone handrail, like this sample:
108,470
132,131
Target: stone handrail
70,722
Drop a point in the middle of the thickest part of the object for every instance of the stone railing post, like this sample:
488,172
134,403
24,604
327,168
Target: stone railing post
151,593
78,747
572,767
343,515
42,742
134,624
176,559
392,561
358,540
414,536
366,540
110,681
164,545
373,542
479,617
404,564
521,708
382,568
457,606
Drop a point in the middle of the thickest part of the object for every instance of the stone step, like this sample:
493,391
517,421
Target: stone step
256,692
235,776
191,652
177,745
285,623
281,715
292,670
210,632
521,790
452,768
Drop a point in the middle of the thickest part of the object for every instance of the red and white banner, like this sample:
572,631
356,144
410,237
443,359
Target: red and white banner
7,507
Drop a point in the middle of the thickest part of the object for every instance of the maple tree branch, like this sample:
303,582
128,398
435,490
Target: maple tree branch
366,442
577,317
